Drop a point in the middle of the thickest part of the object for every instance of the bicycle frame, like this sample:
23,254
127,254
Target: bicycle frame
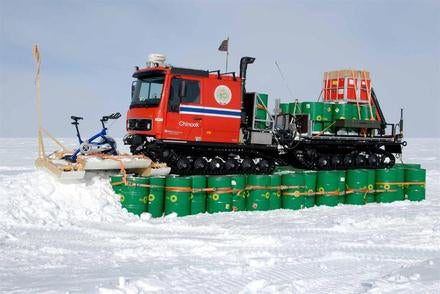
101,135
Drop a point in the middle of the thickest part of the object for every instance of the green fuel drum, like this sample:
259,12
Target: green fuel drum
156,196
117,185
327,113
198,197
371,183
259,192
328,188
366,114
343,111
357,182
178,196
293,197
416,178
284,108
219,200
310,178
400,193
238,184
275,192
385,179
295,108
412,165
341,186
314,109
135,196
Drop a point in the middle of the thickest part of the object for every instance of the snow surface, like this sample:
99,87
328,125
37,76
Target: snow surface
58,238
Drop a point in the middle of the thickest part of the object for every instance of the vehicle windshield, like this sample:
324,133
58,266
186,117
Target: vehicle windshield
147,91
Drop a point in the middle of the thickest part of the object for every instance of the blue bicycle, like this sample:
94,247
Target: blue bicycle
99,143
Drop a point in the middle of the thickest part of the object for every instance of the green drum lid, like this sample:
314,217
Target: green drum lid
156,196
284,107
178,195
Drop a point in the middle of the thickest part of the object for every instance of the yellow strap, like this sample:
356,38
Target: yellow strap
401,183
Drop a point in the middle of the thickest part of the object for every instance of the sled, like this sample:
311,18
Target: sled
64,166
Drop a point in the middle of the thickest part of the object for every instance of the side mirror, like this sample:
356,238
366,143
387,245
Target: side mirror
182,89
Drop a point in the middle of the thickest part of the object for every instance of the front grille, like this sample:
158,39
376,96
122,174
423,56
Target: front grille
139,124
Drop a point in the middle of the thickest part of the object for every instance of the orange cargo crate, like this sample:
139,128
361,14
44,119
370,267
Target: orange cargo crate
347,85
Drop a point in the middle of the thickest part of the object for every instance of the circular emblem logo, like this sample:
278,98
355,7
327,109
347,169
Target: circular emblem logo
222,95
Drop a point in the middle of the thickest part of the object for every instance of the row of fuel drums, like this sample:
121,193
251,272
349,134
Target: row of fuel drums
323,114
289,190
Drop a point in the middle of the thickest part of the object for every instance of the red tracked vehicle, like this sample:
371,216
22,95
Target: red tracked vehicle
202,122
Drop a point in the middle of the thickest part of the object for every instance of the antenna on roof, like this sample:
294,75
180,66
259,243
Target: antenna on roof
284,79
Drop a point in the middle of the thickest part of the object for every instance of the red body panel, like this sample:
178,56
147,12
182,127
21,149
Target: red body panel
216,118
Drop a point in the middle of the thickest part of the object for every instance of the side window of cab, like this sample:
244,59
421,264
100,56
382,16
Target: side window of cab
183,92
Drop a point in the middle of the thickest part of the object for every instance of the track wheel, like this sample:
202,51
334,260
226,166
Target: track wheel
248,166
216,165
200,164
348,161
337,160
183,164
230,165
324,161
360,160
263,166
388,160
372,160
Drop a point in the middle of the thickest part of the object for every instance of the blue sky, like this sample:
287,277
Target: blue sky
89,49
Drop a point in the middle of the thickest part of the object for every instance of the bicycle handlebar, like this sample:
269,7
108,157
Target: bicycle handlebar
115,115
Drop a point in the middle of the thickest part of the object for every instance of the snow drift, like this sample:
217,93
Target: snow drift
57,237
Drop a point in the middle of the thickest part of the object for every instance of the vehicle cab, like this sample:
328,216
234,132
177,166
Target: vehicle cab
180,104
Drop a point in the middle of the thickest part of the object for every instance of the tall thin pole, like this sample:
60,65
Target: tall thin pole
36,53
227,54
